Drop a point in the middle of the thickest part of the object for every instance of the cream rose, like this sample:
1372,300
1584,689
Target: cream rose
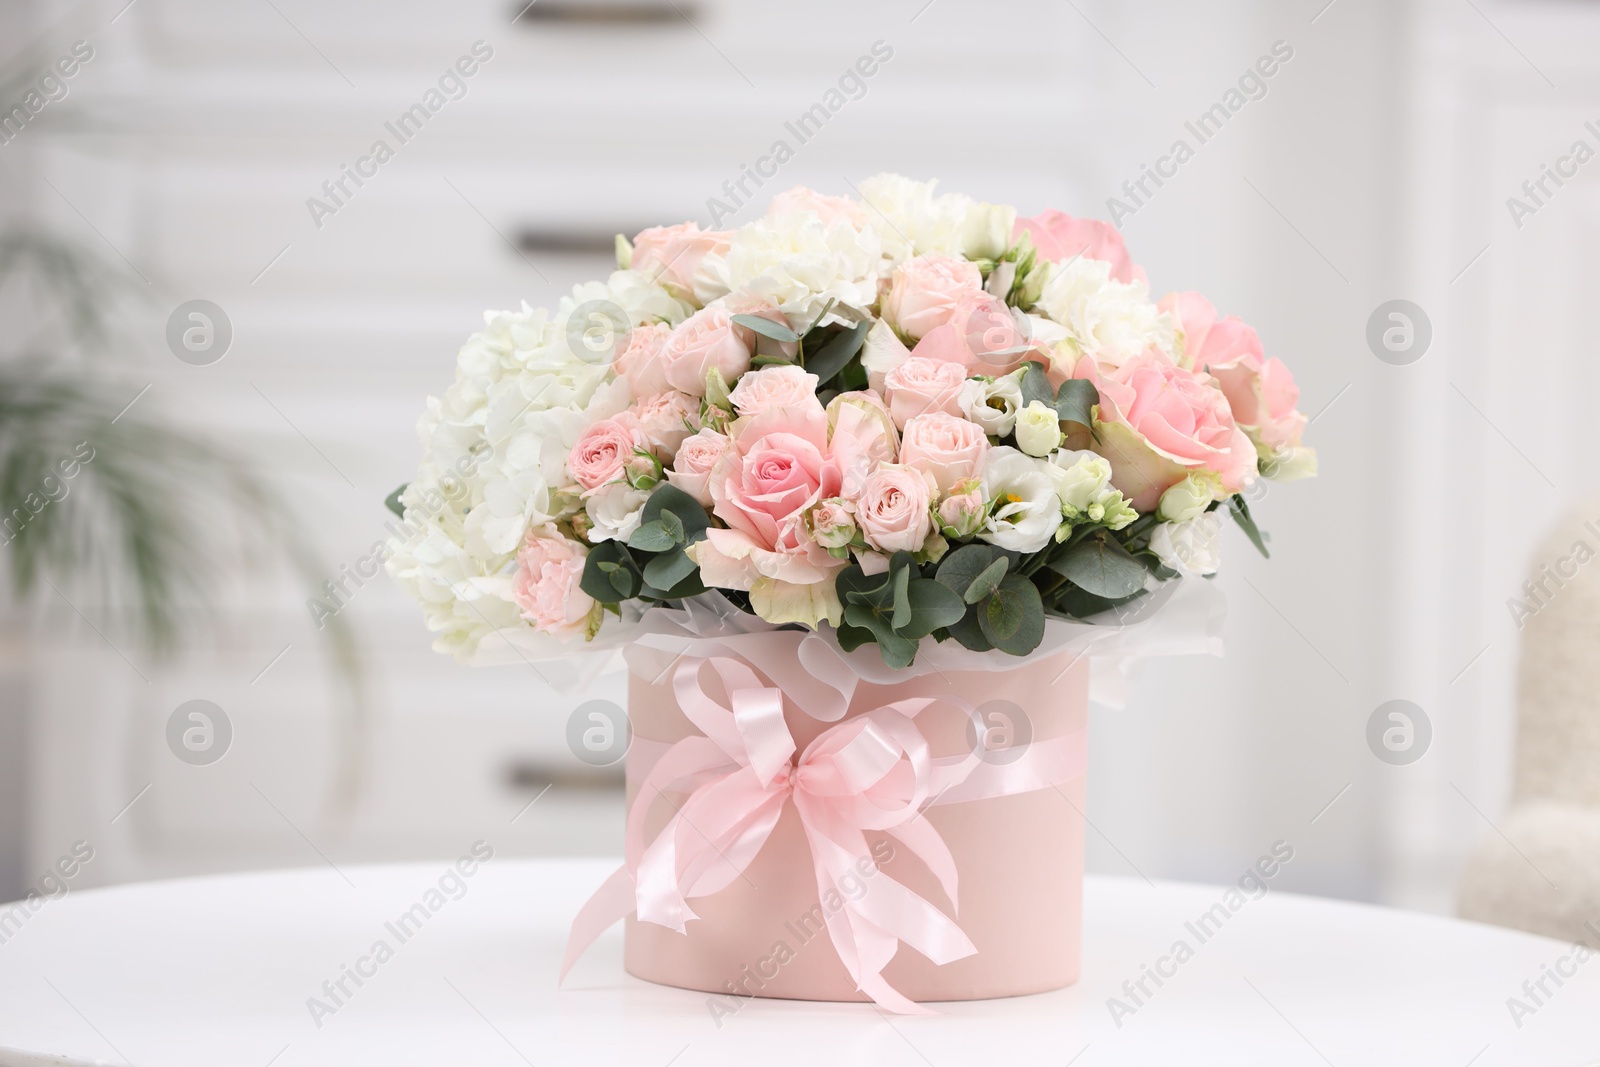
893,509
696,459
945,446
773,387
925,291
922,386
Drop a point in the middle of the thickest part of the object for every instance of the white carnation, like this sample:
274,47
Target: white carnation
798,265
912,221
1111,320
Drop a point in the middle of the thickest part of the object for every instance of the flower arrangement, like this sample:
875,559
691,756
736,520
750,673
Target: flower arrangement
906,416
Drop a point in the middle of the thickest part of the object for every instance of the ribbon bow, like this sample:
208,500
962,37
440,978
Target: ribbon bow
870,772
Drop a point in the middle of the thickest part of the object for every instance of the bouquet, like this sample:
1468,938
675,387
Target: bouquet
898,417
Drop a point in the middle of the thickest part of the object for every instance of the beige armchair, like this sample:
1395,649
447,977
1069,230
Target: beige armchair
1547,879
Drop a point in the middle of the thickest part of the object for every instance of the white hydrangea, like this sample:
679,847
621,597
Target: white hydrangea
911,220
798,265
495,448
1113,320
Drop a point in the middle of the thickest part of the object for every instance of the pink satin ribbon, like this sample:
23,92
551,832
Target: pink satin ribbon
870,772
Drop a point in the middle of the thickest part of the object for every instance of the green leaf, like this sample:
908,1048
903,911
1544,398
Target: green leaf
1241,515
853,637
987,581
609,574
1013,618
932,606
690,586
820,316
897,651
1076,400
969,632
669,568
1101,566
651,537
856,586
959,569
900,584
831,358
1074,603
1035,386
685,511
767,328
392,502
673,525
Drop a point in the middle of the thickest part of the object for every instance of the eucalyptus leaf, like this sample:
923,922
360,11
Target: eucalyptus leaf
672,525
831,358
392,502
767,328
690,586
856,586
684,509
668,569
651,537
608,573
1076,401
987,581
1013,618
932,607
1101,566
900,585
969,633
1035,386
959,569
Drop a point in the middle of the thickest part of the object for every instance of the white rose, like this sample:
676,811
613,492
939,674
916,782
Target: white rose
986,230
1081,478
1026,510
1038,429
614,511
992,403
1189,547
1190,497
1111,320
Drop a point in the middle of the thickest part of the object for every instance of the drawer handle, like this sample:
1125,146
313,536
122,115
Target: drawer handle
573,13
541,241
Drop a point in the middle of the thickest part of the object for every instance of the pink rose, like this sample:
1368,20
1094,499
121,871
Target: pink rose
829,209
833,523
604,449
696,458
1058,237
1158,421
667,418
893,509
705,341
640,361
1261,392
920,386
779,467
546,587
924,292
961,514
982,334
671,255
773,387
948,447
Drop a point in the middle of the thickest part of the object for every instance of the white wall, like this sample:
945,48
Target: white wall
1374,168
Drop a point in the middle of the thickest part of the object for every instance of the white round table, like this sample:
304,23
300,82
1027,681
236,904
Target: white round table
215,971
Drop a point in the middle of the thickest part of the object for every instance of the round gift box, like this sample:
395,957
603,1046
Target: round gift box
1019,858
